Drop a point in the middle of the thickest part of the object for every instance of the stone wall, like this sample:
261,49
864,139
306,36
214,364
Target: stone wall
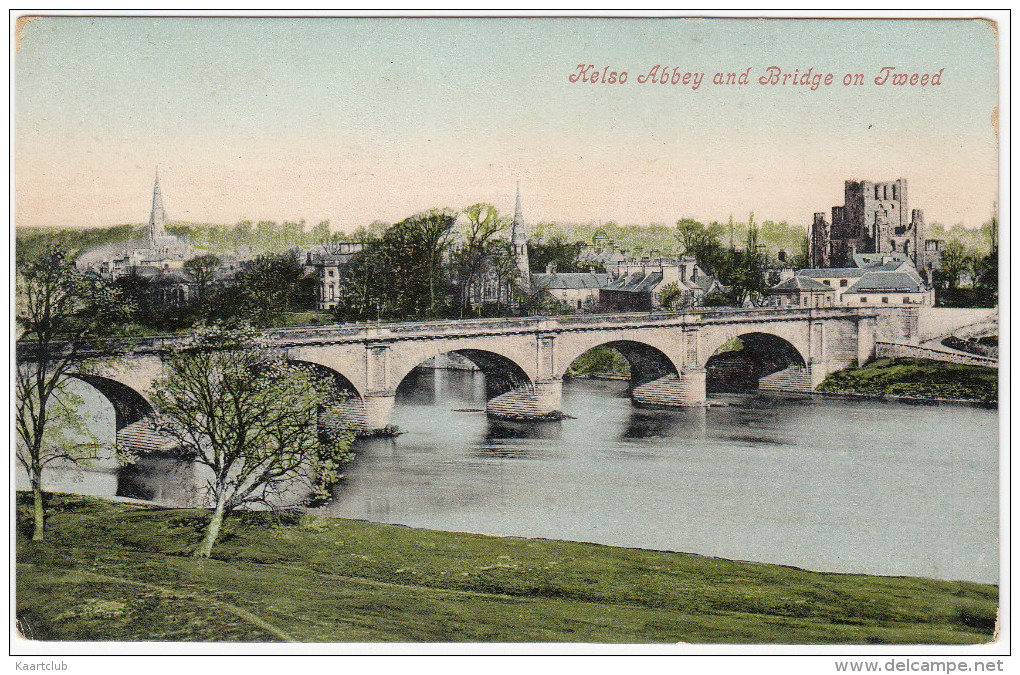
898,324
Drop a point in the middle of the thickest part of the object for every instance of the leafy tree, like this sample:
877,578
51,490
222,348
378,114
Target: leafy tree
672,299
401,276
744,271
749,276
263,290
35,243
954,262
600,361
202,269
481,241
803,257
62,316
989,276
251,418
320,233
137,290
564,255
704,244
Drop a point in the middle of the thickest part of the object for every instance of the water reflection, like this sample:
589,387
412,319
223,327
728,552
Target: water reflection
648,423
503,429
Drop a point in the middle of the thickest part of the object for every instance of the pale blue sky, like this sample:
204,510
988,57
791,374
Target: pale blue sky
355,120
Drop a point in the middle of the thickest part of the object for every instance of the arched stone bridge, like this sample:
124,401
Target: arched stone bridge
525,359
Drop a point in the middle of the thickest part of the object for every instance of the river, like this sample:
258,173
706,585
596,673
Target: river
820,483
824,484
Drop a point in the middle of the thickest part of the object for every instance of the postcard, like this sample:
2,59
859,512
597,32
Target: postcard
575,330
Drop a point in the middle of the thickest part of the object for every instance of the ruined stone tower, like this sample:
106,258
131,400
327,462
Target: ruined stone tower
874,218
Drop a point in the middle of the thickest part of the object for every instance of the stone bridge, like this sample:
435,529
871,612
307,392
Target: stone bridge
525,359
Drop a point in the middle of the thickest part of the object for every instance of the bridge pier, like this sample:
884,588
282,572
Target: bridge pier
687,389
377,408
794,378
540,401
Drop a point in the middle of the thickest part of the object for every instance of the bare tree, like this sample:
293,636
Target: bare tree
202,269
63,316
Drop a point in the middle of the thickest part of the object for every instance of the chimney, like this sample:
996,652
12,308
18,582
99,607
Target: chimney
670,274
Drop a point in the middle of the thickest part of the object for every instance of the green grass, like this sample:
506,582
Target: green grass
916,377
600,362
116,571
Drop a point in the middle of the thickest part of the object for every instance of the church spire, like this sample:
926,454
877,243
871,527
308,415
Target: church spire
519,241
157,219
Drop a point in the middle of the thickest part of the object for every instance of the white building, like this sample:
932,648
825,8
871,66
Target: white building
879,280
330,263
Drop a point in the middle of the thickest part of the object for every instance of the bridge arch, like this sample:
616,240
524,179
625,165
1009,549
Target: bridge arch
134,414
756,359
502,373
656,376
129,405
354,403
342,383
647,363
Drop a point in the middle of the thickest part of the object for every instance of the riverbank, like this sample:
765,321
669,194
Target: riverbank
117,571
915,380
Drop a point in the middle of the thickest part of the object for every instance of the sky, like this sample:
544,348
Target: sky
357,120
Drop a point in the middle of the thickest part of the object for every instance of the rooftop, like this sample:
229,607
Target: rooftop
886,281
564,280
802,284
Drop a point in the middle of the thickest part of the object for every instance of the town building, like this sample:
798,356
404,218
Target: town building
875,218
330,263
888,280
158,251
802,291
158,260
638,284
575,291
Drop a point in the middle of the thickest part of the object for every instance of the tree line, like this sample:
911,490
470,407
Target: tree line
979,261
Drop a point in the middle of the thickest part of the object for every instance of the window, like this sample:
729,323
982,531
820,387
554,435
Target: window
842,283
331,273
885,299
826,282
906,300
863,299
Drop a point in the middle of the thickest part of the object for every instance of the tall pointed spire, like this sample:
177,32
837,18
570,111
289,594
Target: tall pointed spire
157,219
519,241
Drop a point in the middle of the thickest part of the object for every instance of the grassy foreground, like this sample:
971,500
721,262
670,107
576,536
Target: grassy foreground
116,571
923,378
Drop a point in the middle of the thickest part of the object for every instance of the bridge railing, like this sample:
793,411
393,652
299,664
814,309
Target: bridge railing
898,350
381,330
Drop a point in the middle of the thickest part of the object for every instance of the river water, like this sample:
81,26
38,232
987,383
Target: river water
824,484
